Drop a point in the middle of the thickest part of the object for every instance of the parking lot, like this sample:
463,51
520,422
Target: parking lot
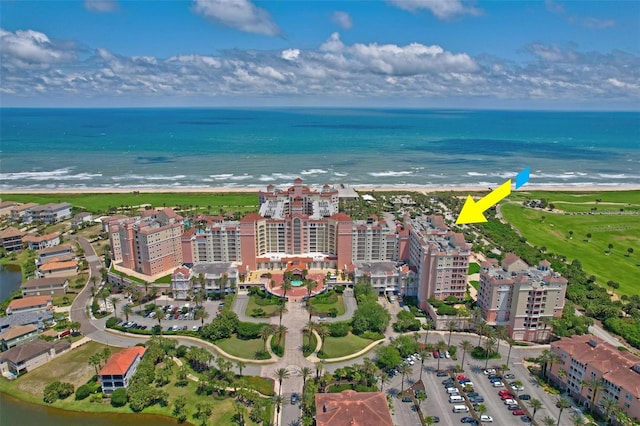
437,402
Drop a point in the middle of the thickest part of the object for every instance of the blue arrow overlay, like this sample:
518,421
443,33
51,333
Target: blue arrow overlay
522,178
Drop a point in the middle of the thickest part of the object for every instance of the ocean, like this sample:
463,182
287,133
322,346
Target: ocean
49,149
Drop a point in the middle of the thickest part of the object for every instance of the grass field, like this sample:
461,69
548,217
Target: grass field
623,231
474,268
251,305
102,202
335,347
324,308
241,348
623,197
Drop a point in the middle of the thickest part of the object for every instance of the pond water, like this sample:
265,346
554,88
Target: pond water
10,279
16,412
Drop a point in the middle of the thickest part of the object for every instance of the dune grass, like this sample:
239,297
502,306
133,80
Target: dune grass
552,232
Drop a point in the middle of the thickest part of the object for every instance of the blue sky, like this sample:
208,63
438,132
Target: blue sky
403,53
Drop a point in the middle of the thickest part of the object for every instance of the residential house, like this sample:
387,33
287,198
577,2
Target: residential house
11,239
26,357
120,368
6,206
62,252
48,213
30,304
58,269
45,286
17,335
18,212
37,318
349,408
42,242
81,219
586,360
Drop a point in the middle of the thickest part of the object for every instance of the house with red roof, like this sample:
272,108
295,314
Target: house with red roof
351,408
120,368
30,304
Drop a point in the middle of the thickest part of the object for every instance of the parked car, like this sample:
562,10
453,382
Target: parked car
497,384
485,418
510,401
495,379
441,374
518,412
525,397
467,420
447,354
509,376
489,371
435,354
294,398
515,387
194,328
525,419
407,399
476,399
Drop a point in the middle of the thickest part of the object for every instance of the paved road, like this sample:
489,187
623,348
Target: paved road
350,307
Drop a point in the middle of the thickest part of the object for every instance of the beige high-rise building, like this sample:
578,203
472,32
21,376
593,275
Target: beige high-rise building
520,297
440,258
149,245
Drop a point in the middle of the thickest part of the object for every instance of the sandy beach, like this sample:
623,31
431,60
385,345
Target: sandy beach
218,190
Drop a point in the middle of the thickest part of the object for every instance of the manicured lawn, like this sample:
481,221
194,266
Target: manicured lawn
474,284
474,268
335,347
324,308
102,202
251,305
624,197
553,233
314,343
241,348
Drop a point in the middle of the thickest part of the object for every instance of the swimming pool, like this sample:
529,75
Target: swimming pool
296,283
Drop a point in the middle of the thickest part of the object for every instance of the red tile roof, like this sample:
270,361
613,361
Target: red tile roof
27,302
351,408
509,259
54,266
34,239
251,217
119,363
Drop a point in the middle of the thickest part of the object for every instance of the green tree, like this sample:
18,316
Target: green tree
119,397
179,405
595,385
286,286
281,374
388,357
548,421
265,332
305,372
240,366
451,325
441,346
114,302
536,405
404,370
563,404
466,346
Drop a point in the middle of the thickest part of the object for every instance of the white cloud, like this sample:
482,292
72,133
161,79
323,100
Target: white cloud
25,49
442,9
588,22
35,68
290,54
342,19
101,6
242,15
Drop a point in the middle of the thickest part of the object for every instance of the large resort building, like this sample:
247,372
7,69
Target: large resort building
299,231
521,297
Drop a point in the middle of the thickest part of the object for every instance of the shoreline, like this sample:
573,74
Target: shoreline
364,188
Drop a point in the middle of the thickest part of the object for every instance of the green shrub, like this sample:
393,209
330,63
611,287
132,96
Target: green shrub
57,390
278,350
339,329
249,330
83,392
373,335
262,354
119,397
112,321
339,289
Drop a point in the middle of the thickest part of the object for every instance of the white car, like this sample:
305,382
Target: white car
485,418
489,371
497,384
510,402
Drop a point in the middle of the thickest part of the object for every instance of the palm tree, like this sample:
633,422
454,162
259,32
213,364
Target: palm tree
423,356
451,325
500,333
114,302
310,285
319,368
240,366
201,313
466,346
305,372
281,309
127,310
384,378
281,374
563,403
286,286
595,384
536,405
440,346
608,406
159,313
548,421
510,342
323,331
104,295
577,419
277,400
404,370
428,325
95,361
488,345
280,331
265,332
429,420
312,311
481,328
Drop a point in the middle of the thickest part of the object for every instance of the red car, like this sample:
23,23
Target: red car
504,391
518,412
462,377
435,354
506,396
